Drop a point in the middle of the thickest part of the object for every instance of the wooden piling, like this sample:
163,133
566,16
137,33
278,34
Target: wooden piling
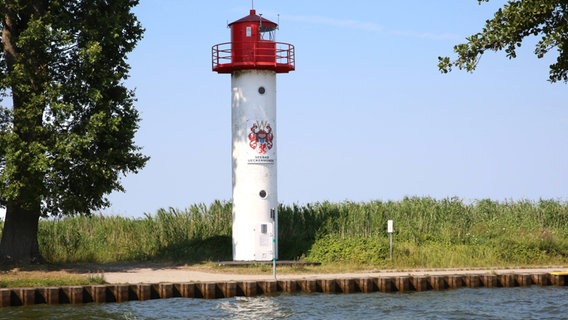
328,285
385,284
489,280
419,283
402,284
506,280
72,295
120,293
165,290
208,290
97,293
346,285
558,280
214,290
268,287
541,279
49,295
247,288
307,286
289,286
455,281
26,296
141,292
523,280
438,282
365,285
186,290
472,281
227,289
5,298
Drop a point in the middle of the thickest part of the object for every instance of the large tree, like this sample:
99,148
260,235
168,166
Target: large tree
67,122
517,20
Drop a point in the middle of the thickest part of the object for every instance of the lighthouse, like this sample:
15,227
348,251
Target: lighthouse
253,58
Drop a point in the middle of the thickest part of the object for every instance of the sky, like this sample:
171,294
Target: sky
366,115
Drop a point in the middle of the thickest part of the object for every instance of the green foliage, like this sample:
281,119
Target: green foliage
68,135
298,228
511,24
359,250
442,233
196,234
428,233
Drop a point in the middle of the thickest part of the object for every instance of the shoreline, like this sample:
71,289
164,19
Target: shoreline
139,284
137,275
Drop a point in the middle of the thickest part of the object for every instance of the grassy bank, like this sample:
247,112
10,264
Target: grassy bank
428,233
198,233
446,233
16,278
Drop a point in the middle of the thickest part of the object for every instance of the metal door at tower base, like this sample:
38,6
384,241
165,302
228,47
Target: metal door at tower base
264,241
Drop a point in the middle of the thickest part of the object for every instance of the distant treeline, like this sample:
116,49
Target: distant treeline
427,233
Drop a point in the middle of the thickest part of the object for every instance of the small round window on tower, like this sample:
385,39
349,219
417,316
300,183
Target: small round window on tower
261,90
262,194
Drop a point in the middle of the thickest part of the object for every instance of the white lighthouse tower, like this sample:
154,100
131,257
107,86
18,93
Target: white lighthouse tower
253,59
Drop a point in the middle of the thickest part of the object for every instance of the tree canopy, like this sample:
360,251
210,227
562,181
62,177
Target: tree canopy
518,19
67,133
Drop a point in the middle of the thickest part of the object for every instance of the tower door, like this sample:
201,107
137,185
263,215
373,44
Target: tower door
264,245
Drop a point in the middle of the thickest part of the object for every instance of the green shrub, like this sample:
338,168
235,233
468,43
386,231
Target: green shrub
360,250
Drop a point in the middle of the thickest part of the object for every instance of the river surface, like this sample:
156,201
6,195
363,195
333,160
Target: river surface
497,303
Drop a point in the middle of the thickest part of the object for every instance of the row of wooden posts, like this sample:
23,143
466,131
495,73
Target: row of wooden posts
217,290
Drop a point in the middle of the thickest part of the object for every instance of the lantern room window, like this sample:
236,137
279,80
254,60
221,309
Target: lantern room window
267,33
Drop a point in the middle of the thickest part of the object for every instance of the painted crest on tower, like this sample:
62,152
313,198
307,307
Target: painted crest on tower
261,141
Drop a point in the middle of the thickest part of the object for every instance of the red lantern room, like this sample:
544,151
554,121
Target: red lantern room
252,46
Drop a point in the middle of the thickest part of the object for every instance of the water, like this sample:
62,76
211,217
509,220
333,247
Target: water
503,303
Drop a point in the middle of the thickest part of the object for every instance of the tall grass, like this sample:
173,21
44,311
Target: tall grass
428,233
199,232
447,233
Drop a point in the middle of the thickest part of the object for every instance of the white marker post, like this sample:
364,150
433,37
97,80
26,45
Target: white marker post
390,231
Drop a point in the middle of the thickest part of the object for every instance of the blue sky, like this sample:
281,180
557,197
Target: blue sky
365,116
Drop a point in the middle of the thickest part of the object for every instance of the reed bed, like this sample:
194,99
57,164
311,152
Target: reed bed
428,233
447,233
198,233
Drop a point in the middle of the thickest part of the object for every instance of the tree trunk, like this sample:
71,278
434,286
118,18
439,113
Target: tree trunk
19,238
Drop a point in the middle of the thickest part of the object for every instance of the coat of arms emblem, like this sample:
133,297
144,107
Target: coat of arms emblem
261,137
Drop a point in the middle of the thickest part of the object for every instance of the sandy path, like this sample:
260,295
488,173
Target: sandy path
181,274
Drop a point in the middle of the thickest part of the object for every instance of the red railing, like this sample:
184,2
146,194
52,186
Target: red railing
268,55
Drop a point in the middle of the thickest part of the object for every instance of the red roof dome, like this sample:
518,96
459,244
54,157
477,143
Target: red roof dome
266,24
